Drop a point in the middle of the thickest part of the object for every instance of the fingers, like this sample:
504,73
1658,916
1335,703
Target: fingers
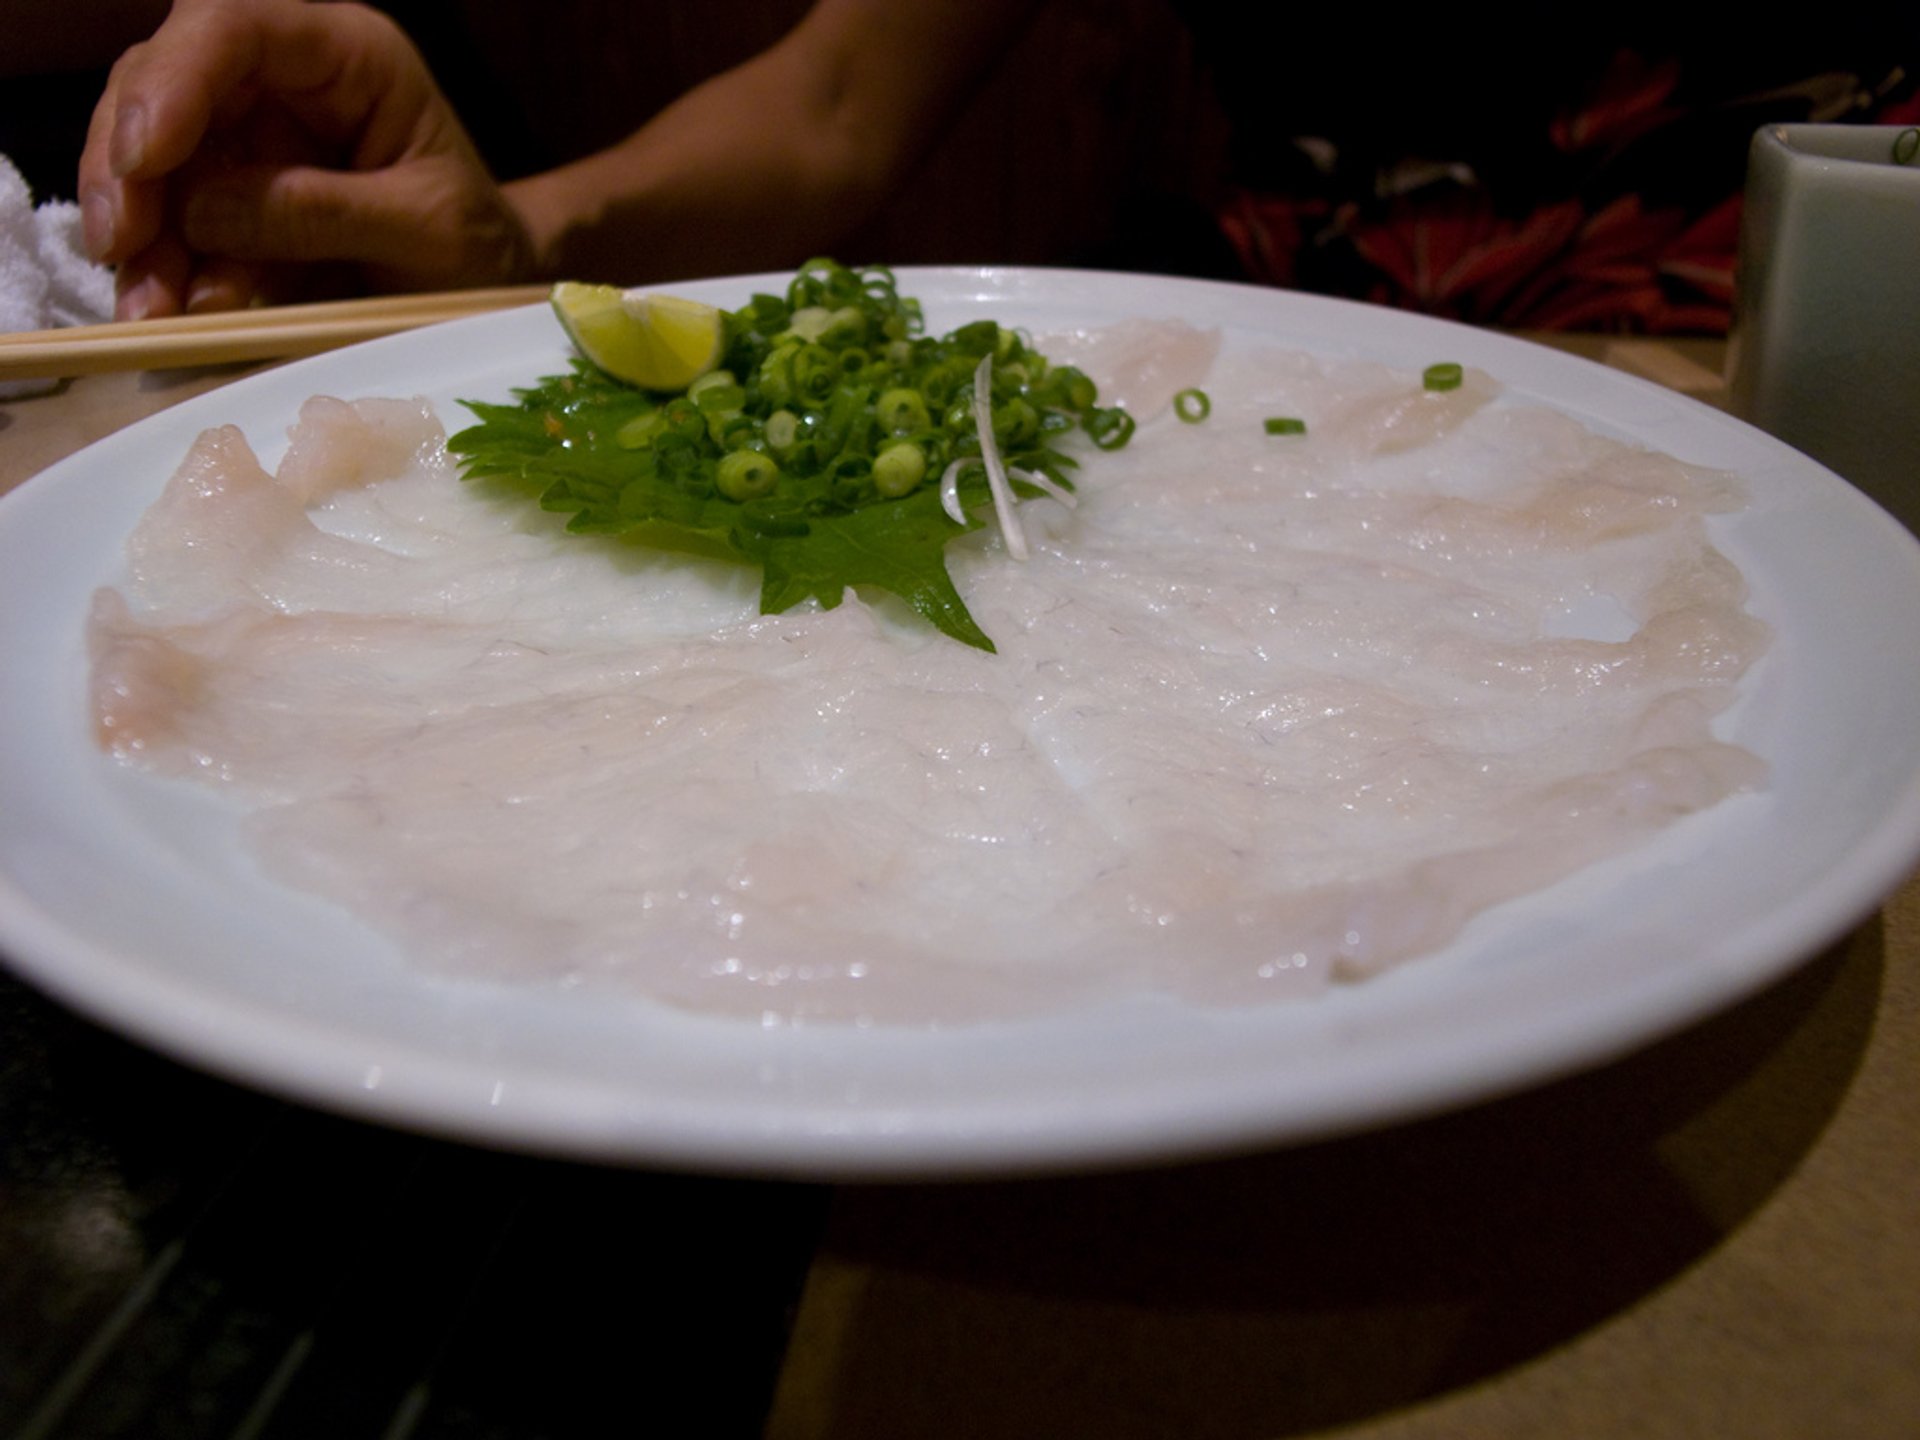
223,284
343,69
153,282
437,221
206,61
158,102
118,219
249,132
347,72
297,212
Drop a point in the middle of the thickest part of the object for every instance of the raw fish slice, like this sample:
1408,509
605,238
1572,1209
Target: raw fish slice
1267,712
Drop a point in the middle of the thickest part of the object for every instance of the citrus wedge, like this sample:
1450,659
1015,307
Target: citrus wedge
658,342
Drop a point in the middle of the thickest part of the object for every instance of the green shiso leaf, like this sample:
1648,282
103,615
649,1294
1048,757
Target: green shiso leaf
819,383
898,547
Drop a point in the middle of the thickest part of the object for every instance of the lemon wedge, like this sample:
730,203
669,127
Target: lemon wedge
658,342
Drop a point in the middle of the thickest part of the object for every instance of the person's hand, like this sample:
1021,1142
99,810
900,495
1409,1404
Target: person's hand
259,149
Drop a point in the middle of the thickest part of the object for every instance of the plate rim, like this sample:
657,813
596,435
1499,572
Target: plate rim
855,1144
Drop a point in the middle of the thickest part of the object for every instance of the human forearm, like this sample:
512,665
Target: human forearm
775,160
685,197
261,147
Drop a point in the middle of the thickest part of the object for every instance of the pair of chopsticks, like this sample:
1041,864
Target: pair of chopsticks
267,333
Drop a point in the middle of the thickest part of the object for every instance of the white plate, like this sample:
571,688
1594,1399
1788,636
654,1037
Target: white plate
129,898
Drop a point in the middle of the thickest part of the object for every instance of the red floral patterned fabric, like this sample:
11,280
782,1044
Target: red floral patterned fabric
1609,220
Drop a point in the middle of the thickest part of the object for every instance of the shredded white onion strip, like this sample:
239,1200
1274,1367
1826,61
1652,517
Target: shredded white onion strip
1003,505
950,479
950,490
1043,482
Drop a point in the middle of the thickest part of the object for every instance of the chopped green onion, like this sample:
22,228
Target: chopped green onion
1076,390
720,399
766,312
740,432
682,420
1444,376
815,373
638,432
845,326
1192,406
850,480
1110,426
1906,145
1015,422
1285,425
899,468
744,474
783,432
809,322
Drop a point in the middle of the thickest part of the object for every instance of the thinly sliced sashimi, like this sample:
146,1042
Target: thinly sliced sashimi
336,445
1267,710
226,531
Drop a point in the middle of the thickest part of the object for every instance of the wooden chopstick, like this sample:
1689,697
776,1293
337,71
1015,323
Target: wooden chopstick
266,333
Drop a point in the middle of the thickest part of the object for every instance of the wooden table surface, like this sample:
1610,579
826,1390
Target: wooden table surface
1717,1236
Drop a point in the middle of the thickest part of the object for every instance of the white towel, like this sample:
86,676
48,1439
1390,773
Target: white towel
46,279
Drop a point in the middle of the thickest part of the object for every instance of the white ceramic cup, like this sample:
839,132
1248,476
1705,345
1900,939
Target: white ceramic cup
1826,335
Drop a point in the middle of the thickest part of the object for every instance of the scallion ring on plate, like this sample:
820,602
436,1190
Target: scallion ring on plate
1110,426
1192,406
